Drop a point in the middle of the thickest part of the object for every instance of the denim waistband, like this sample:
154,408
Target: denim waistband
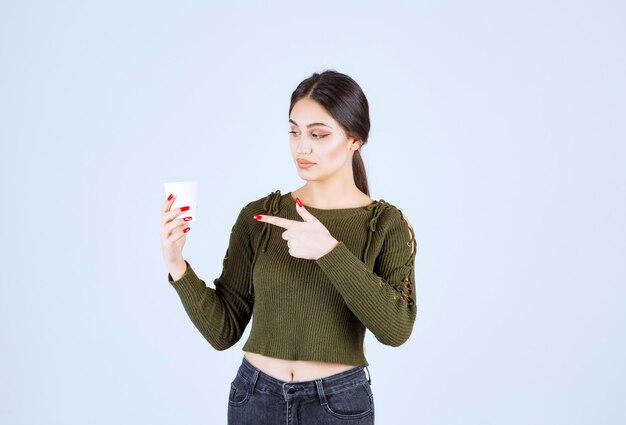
304,389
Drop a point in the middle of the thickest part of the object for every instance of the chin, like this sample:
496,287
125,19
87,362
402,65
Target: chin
306,175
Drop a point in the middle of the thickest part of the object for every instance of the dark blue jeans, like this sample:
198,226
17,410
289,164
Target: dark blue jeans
259,399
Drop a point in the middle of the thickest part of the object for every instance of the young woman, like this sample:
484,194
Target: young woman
315,267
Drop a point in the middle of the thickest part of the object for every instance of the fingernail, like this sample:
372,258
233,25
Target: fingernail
169,198
186,230
187,218
298,202
184,208
256,217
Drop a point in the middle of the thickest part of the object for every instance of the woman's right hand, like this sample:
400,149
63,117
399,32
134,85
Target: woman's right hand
173,232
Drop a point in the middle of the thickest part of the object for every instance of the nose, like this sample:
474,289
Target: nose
303,146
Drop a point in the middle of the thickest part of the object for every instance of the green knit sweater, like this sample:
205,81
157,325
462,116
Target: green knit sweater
309,309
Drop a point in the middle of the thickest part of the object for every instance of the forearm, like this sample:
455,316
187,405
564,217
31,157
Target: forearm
378,305
219,317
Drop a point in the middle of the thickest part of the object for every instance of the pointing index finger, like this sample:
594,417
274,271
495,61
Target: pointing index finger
278,221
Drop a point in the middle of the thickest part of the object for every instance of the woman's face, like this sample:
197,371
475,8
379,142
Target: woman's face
315,137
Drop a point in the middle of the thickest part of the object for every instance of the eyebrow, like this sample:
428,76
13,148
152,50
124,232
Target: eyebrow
310,125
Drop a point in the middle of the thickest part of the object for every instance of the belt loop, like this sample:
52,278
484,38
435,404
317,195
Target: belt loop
255,378
320,391
369,376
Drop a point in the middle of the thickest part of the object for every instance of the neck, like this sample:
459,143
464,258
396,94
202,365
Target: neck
331,193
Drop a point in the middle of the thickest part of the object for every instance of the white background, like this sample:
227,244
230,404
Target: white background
497,128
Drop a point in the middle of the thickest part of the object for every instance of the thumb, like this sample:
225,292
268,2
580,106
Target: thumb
306,215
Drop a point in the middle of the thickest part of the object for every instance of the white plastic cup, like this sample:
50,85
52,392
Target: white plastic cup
185,193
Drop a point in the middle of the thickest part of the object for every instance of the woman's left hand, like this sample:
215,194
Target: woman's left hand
308,239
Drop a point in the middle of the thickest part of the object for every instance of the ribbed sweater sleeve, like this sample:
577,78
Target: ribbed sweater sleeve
382,299
221,314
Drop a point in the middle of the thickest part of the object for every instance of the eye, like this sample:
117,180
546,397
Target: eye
318,136
292,132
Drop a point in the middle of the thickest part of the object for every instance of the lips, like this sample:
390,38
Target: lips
303,164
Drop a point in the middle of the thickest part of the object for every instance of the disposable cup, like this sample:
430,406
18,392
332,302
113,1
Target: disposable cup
185,193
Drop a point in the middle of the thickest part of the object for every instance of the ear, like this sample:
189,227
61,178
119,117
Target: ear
355,144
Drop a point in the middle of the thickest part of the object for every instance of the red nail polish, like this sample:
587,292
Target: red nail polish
298,202
187,218
169,198
256,217
186,230
184,208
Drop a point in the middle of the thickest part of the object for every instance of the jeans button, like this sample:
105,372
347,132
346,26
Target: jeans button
291,390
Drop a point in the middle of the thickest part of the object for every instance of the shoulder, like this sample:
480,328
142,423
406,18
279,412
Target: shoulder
394,222
389,213
265,204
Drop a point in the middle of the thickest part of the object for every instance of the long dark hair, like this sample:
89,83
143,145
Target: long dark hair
342,97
